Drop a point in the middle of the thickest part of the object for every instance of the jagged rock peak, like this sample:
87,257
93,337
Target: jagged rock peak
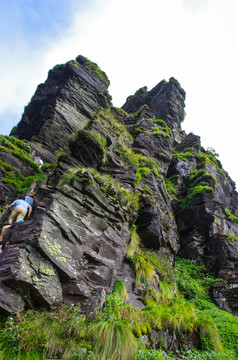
165,100
64,103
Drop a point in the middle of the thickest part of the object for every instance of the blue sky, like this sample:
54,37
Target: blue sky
137,43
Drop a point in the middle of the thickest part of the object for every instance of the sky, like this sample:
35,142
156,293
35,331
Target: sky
137,43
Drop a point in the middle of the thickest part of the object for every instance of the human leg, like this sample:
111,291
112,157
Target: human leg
13,215
18,213
3,230
21,214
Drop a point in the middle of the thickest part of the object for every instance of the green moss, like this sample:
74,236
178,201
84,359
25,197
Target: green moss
209,157
49,166
176,314
159,132
197,182
93,68
56,334
13,176
142,172
144,269
95,137
184,156
17,148
230,216
161,128
148,266
138,112
171,189
106,120
106,183
121,111
58,68
162,266
230,237
209,334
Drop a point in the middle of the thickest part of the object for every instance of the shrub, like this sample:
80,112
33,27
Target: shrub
145,270
176,314
61,333
113,335
115,341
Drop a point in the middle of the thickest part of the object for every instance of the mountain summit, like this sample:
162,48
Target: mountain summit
124,197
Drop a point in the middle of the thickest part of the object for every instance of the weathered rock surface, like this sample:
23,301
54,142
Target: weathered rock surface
165,100
223,256
62,105
205,227
72,249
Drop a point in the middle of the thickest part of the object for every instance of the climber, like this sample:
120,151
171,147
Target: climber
21,208
30,198
38,160
7,227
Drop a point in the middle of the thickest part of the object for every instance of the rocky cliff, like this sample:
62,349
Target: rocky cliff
117,170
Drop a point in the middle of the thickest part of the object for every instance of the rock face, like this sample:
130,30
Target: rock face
165,100
205,215
122,167
63,104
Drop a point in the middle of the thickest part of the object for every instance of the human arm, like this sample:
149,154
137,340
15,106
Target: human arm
11,207
29,211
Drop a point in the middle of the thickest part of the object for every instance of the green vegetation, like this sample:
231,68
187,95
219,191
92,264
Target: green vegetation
160,128
231,237
18,149
93,68
49,166
60,334
182,306
184,156
133,246
114,335
106,183
218,328
171,189
197,182
157,131
143,165
95,137
137,114
11,175
138,160
58,68
105,120
89,65
230,216
142,172
209,156
120,290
